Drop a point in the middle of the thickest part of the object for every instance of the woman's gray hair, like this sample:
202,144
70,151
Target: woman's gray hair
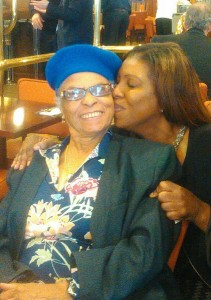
198,16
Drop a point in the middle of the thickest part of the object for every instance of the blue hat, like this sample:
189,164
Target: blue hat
81,58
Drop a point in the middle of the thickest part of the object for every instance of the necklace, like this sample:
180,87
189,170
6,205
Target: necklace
179,137
71,168
65,162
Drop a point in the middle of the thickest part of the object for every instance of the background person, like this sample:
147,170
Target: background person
115,20
46,41
164,13
74,17
194,40
84,203
171,115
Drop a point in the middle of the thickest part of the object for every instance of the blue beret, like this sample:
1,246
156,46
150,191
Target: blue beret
81,58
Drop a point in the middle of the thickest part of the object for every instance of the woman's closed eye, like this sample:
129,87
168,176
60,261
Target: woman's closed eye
132,84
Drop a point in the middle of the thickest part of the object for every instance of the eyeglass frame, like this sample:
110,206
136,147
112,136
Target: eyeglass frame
85,91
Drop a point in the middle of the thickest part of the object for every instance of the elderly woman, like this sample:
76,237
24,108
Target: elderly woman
79,218
157,97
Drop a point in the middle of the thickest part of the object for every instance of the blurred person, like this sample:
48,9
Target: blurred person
79,218
115,20
163,18
194,40
46,38
74,17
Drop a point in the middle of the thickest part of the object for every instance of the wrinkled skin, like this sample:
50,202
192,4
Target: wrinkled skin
180,204
35,291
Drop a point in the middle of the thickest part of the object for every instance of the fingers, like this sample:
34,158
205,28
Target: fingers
37,21
44,144
163,186
170,196
41,10
177,202
7,292
22,159
5,286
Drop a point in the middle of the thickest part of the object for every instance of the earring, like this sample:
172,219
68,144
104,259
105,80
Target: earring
161,110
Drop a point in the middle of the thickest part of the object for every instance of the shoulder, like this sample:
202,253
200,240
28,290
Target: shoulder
164,38
199,143
144,159
201,134
15,176
141,148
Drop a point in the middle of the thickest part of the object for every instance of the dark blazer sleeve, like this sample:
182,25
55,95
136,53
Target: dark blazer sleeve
14,207
10,268
163,38
208,243
138,239
68,11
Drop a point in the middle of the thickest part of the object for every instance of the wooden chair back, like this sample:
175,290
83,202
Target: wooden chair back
140,23
3,184
150,28
38,90
130,29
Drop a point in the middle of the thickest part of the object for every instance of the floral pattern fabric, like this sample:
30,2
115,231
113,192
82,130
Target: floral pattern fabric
58,222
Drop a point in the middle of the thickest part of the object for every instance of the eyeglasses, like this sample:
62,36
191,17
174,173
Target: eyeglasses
99,90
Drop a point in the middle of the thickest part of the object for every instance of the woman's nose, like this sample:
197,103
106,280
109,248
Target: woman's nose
89,99
116,91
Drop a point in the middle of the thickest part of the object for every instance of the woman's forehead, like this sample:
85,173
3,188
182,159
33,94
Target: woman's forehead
85,78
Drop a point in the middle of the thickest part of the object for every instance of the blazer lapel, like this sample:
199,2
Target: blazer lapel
109,193
23,198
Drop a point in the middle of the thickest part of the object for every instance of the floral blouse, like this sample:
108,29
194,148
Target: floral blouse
58,221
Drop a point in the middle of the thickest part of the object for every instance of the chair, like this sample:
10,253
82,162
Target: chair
175,252
139,23
3,184
37,90
130,29
150,28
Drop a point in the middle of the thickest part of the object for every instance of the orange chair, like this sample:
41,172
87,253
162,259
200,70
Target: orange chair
130,29
150,28
37,90
139,23
3,184
175,252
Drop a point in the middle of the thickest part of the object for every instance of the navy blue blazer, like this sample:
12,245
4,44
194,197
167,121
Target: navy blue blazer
132,238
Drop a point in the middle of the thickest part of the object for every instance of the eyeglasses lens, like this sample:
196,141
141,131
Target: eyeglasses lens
99,90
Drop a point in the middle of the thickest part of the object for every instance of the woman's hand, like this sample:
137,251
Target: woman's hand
40,6
180,204
35,291
37,21
208,105
31,143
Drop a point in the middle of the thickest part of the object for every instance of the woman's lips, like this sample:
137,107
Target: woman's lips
118,107
91,115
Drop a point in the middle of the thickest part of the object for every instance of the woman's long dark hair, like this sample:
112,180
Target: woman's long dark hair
175,81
